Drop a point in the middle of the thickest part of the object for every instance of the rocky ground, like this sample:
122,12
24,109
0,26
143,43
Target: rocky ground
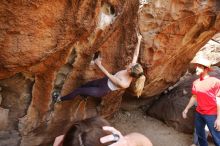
159,133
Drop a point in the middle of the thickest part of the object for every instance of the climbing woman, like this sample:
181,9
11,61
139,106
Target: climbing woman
121,80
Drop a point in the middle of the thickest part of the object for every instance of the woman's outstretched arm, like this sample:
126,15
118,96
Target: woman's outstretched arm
114,79
137,49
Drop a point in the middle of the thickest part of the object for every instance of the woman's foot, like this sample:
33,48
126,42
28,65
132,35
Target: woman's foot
56,96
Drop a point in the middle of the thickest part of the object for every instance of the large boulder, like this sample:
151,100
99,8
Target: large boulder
48,46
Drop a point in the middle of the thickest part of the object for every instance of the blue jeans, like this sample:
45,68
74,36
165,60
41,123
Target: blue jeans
200,122
195,136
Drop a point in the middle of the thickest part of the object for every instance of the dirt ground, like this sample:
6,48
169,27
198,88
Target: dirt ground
158,132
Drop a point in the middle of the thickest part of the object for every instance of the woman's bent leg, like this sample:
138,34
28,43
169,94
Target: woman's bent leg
95,88
86,91
96,83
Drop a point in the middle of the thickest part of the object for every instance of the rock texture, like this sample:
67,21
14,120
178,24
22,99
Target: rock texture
173,32
47,46
212,50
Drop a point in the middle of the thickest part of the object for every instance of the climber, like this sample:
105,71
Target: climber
121,80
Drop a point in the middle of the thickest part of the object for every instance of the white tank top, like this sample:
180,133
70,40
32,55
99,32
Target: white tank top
112,86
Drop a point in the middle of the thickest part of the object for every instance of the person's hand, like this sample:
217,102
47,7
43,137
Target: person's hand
116,137
184,113
98,61
217,124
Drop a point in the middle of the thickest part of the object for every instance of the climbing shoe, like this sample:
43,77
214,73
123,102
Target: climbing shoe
84,97
56,96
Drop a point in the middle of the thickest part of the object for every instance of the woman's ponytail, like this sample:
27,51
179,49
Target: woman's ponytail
139,85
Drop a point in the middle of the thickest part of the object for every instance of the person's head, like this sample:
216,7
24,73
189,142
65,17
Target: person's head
137,72
86,133
202,65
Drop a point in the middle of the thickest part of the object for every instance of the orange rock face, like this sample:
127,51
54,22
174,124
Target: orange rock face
173,32
49,45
